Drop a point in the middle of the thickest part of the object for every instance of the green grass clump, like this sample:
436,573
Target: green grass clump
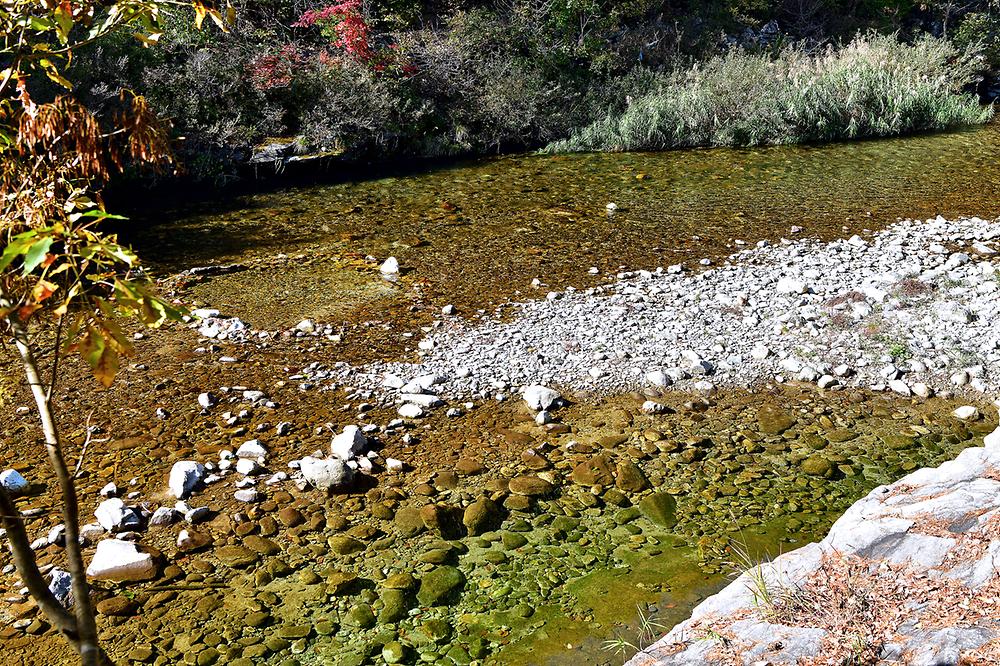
875,86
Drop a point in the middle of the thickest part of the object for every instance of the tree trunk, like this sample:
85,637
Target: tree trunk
87,642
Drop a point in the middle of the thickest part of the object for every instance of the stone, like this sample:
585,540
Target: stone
408,521
238,557
630,478
440,586
120,561
326,473
185,477
114,516
660,509
189,541
61,587
116,607
595,471
393,653
817,465
251,449
410,411
13,482
360,616
540,398
345,545
481,516
349,443
389,267
966,413
530,486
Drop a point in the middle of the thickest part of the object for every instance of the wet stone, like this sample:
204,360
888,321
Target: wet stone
530,486
345,545
294,631
360,616
439,586
660,509
408,521
262,545
816,465
238,557
394,606
631,478
593,472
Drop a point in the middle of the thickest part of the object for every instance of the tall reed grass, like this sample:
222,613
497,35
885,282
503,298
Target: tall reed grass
875,86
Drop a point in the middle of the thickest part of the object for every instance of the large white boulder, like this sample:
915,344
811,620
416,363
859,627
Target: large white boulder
326,473
117,560
349,443
540,398
185,477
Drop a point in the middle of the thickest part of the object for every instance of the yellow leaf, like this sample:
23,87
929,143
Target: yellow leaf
200,11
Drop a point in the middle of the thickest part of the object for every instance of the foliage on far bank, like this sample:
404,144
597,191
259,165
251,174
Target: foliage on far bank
875,86
390,78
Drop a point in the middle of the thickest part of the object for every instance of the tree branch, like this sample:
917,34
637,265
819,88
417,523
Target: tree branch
27,569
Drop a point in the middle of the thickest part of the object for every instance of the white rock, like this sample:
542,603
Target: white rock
163,516
13,482
410,411
791,286
114,516
900,387
117,560
540,397
306,326
185,477
207,400
348,443
326,473
650,407
109,490
249,496
658,378
760,352
966,413
61,587
390,266
251,448
247,466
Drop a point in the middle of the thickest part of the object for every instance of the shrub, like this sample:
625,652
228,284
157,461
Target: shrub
874,86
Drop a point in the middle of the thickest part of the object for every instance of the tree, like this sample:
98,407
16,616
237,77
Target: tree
63,283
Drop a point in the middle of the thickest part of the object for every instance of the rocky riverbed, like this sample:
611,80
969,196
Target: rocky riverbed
256,500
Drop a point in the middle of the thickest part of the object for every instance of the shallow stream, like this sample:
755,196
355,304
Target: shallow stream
567,574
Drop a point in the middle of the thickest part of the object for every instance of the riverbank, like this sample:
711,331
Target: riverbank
906,574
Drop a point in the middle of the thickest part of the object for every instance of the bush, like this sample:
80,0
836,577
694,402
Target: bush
874,86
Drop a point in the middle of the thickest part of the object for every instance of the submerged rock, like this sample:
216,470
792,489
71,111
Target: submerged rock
440,585
660,509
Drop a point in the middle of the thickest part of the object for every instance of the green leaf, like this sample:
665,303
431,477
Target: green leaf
16,247
36,253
